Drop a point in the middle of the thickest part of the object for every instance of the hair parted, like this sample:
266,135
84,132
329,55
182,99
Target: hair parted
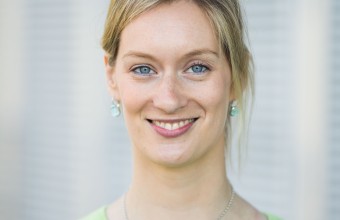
225,17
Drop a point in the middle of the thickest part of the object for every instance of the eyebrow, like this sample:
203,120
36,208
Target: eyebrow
198,52
202,52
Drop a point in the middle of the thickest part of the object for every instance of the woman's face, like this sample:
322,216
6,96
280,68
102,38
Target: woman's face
173,83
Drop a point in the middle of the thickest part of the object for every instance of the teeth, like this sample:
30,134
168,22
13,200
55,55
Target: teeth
168,126
172,126
181,124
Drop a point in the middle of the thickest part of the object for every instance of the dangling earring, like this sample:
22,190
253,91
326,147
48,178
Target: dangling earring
115,108
234,110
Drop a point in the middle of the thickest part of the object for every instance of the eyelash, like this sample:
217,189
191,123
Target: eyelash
201,65
137,69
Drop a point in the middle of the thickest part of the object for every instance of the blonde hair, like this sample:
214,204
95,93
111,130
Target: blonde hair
226,18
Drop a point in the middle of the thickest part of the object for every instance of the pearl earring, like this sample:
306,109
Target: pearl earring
234,110
115,108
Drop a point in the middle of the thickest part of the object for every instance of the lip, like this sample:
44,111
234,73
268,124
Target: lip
172,128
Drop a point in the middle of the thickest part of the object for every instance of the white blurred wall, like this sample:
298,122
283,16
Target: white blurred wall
11,86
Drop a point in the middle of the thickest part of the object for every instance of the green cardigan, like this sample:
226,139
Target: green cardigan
100,214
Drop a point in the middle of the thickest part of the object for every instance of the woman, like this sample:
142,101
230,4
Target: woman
177,69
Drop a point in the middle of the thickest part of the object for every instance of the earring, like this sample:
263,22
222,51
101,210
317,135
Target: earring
233,111
115,108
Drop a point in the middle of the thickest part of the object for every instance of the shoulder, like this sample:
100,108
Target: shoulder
113,211
99,214
272,217
243,210
116,210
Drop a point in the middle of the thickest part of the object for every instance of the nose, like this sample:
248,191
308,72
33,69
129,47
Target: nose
169,96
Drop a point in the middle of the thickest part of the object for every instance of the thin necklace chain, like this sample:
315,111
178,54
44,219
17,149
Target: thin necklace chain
229,204
125,209
225,211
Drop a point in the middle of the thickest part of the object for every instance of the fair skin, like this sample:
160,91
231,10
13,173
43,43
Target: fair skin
174,86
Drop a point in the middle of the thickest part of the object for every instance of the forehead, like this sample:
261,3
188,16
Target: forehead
176,27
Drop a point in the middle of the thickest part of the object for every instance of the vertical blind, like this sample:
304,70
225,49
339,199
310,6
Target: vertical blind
74,157
267,174
333,196
48,133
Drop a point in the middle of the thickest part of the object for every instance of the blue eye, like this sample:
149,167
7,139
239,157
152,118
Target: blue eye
198,68
143,70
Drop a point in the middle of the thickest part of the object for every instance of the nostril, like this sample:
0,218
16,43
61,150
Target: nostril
169,102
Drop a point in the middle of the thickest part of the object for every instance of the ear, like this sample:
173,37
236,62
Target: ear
232,93
111,78
232,96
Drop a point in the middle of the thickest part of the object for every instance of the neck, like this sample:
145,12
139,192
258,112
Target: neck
194,191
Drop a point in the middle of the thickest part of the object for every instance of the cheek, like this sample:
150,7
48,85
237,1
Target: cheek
217,103
132,98
132,101
218,107
217,95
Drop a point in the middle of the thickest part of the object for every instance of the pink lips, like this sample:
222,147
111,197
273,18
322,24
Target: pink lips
172,129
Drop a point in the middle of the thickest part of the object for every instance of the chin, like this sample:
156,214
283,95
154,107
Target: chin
173,156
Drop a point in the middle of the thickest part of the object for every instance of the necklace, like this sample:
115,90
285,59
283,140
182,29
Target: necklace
223,213
229,204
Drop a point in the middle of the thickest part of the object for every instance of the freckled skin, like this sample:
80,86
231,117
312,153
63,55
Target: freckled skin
172,93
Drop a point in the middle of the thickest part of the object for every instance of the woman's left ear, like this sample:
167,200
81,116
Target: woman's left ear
111,78
232,93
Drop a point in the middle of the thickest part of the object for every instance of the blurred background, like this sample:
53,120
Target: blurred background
62,155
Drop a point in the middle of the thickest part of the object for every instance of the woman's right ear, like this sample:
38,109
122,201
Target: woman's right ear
110,78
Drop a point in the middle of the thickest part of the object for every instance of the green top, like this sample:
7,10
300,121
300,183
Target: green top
100,214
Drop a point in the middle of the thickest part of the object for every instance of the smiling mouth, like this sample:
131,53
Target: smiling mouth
172,128
172,125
